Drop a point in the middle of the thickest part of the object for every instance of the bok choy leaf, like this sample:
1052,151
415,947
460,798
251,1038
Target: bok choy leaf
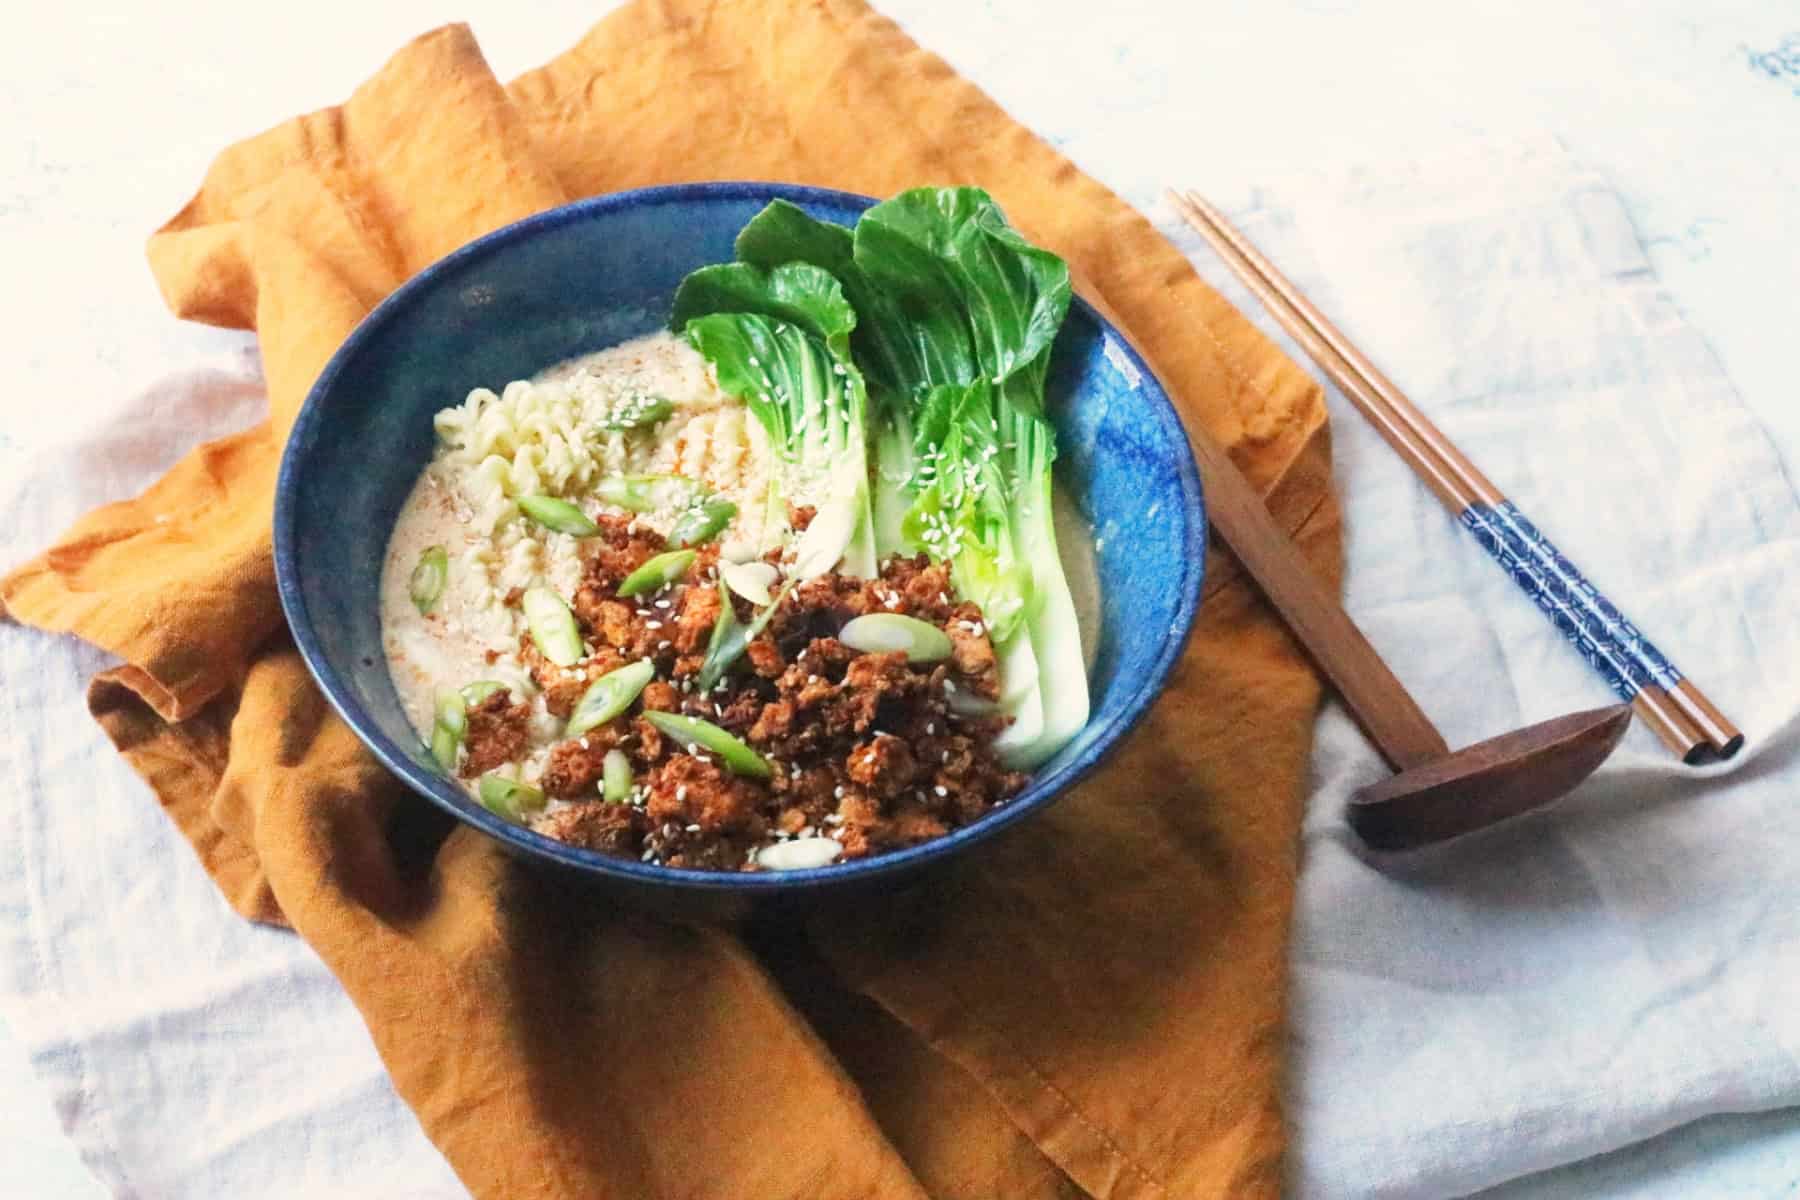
780,340
897,357
994,302
956,315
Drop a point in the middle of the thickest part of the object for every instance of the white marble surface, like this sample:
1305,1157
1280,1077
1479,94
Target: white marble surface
111,116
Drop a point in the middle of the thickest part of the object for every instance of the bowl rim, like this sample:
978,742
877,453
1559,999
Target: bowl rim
402,763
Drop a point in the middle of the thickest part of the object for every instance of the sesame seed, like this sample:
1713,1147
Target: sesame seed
662,645
941,790
693,829
681,793
653,624
838,791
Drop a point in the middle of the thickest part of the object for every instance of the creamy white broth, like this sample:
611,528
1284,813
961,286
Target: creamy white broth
464,501
458,504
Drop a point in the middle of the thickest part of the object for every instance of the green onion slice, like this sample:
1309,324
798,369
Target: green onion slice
615,776
751,580
481,689
552,626
429,577
724,646
559,515
647,493
879,632
444,745
608,696
452,711
701,523
729,639
965,703
635,412
447,730
658,572
741,759
508,797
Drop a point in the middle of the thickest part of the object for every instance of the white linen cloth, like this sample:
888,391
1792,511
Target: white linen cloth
179,1042
1592,976
1629,960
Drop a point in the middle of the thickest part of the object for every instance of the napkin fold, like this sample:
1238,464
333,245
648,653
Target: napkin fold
1092,1005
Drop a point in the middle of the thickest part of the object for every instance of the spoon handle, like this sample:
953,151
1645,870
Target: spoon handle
1378,701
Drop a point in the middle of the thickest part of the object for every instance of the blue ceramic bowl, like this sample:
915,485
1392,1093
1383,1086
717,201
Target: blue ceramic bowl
593,274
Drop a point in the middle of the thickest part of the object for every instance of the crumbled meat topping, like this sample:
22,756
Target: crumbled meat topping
863,748
688,791
563,686
616,551
765,656
885,766
574,766
660,697
596,825
496,734
972,652
700,608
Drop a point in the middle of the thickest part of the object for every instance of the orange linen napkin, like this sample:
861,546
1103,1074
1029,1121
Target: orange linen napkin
1094,1005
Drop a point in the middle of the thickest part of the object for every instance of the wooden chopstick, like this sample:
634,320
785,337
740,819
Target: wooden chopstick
1669,703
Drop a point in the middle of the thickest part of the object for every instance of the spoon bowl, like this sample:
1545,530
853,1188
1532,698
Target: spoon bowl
1488,782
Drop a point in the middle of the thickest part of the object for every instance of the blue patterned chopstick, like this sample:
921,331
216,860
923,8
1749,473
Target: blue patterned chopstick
1612,645
1630,664
1617,649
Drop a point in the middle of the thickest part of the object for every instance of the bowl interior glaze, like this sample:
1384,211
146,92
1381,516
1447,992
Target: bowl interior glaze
592,274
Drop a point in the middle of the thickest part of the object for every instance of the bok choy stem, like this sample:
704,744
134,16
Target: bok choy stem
780,340
954,316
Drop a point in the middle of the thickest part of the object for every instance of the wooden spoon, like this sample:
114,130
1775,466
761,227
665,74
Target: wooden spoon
1435,794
